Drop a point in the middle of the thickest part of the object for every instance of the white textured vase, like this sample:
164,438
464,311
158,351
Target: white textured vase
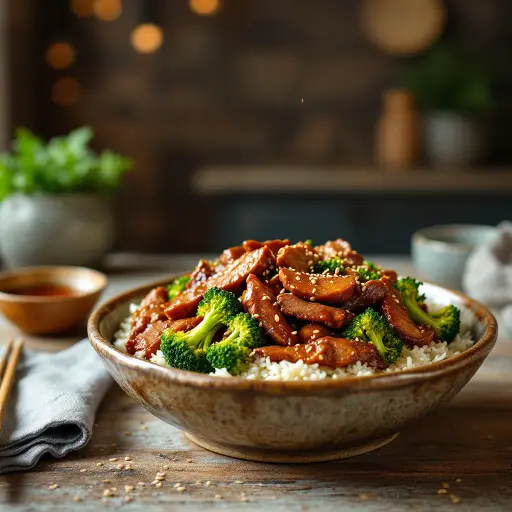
67,229
452,139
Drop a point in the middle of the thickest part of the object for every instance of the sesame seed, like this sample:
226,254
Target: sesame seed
53,486
316,331
294,332
141,484
208,483
445,485
321,357
128,458
113,459
442,491
99,464
128,488
83,470
297,278
331,281
313,281
107,493
276,318
314,290
166,467
312,299
309,349
177,484
292,287
158,484
144,427
459,480
218,497
77,499
181,489
190,460
159,478
336,271
260,324
106,481
256,315
238,482
265,297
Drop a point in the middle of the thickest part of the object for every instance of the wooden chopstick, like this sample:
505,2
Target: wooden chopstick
7,378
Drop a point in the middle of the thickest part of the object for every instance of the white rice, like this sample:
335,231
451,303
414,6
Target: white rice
263,368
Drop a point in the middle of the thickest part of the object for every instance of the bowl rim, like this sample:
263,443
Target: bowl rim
477,352
425,236
51,270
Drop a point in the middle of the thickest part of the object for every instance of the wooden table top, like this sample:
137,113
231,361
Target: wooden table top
459,457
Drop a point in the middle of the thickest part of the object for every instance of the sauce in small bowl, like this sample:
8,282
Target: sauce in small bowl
49,300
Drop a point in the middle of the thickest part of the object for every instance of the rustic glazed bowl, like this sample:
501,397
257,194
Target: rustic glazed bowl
300,421
50,314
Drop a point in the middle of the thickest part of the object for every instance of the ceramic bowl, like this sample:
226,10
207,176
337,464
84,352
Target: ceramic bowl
50,314
440,252
299,421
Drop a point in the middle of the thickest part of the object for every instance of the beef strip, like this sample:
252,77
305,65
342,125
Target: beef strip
151,309
310,332
275,284
298,257
326,351
390,274
149,340
312,311
231,254
204,269
273,245
342,249
367,295
232,279
318,287
393,308
259,301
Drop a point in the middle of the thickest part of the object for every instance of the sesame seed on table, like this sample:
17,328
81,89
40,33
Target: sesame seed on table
458,457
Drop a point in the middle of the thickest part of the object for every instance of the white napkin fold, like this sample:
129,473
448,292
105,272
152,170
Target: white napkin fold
488,273
52,405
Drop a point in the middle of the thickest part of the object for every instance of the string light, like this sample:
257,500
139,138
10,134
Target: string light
107,10
204,7
66,91
147,38
82,8
60,55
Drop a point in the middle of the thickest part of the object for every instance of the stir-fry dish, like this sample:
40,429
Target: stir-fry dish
274,302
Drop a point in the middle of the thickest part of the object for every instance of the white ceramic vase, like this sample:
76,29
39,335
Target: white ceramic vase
453,140
64,229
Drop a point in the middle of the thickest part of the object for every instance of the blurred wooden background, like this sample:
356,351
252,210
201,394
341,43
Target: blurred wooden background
225,89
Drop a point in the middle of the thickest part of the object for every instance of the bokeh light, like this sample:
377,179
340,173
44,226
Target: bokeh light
82,8
60,55
147,38
107,10
204,7
66,91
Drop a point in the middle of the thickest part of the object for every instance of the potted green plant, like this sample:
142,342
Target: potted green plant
54,200
454,91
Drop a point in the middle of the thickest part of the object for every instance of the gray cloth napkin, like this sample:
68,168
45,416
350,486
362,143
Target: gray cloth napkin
52,405
488,273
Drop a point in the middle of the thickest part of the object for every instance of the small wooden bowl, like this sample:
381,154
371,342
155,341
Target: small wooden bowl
36,314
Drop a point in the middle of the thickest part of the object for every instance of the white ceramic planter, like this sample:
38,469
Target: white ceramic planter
67,229
453,140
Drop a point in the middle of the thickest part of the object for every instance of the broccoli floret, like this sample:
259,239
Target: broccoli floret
177,286
372,327
309,242
330,265
368,271
445,322
187,350
234,351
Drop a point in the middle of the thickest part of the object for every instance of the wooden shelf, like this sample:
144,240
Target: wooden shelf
305,180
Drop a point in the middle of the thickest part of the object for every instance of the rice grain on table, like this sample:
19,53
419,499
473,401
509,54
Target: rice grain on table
263,368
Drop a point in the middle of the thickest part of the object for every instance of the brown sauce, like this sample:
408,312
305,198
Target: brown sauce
44,290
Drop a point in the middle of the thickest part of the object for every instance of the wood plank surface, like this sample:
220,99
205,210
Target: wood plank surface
459,457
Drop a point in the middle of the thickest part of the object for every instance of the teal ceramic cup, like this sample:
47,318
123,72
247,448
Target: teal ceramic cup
439,253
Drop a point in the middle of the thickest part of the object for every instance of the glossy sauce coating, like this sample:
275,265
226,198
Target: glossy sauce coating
318,287
298,257
326,351
259,301
313,311
231,279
